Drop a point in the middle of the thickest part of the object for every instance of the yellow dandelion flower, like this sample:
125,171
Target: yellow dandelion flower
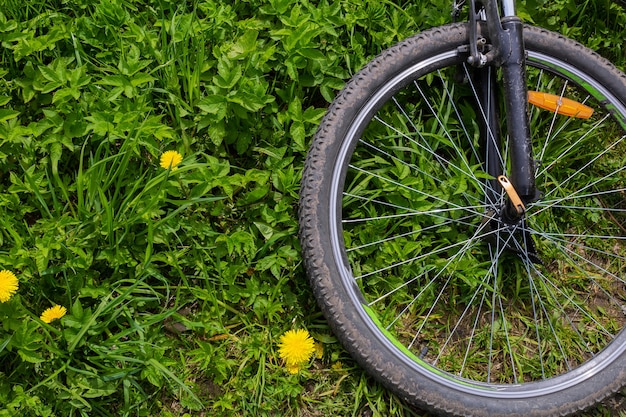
170,159
53,313
8,285
296,348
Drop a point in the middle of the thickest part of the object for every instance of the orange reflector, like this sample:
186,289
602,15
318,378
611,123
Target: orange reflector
560,105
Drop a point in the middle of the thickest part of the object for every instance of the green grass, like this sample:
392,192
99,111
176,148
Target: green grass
179,283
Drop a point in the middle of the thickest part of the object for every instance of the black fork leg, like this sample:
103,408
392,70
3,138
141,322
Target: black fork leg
486,85
516,100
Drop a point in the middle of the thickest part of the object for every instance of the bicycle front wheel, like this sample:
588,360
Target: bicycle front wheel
428,284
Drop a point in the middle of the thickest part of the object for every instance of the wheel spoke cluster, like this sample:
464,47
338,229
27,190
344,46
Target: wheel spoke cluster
443,270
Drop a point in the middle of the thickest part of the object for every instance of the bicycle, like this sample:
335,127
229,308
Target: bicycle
462,218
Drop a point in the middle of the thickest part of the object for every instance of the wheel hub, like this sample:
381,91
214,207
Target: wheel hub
504,230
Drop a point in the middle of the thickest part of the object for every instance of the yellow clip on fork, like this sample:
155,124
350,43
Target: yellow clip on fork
513,196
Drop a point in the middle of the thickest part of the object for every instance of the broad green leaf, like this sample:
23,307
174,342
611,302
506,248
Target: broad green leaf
8,25
266,230
227,78
140,79
312,53
295,109
298,134
250,101
62,95
100,123
217,132
214,104
114,80
95,387
253,196
313,115
246,44
281,6
52,75
8,114
31,356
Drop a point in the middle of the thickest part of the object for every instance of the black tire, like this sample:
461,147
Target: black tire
394,221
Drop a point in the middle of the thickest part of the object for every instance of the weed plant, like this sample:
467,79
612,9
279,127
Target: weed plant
178,282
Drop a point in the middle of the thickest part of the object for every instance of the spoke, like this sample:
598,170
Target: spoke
575,146
570,300
415,278
456,326
458,116
493,314
445,285
471,338
495,264
528,263
576,194
493,194
546,204
379,202
459,254
482,111
552,123
464,243
557,339
563,244
533,291
447,134
545,279
405,309
416,190
415,128
567,317
431,213
554,235
395,158
492,271
443,162
490,134
584,167
413,232
414,168
556,240
610,296
596,266
503,316
508,340
564,206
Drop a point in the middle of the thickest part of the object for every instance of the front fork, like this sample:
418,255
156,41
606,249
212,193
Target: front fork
507,52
